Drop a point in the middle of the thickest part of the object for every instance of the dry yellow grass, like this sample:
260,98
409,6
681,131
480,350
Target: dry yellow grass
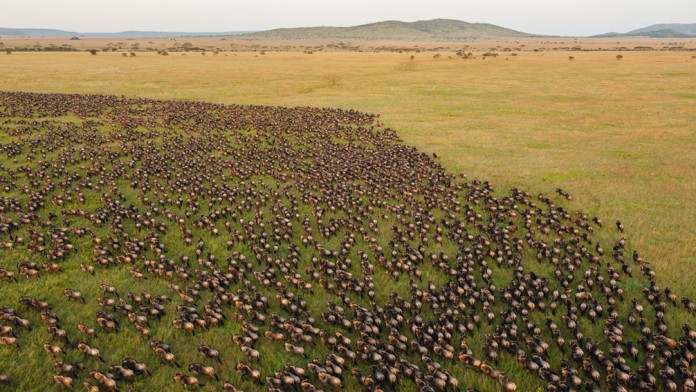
242,43
620,136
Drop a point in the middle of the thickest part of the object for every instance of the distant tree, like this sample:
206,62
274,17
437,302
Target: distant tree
124,54
412,57
436,56
93,52
571,58
187,46
132,54
8,51
74,38
619,57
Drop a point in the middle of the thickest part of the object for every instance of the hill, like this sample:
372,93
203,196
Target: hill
666,30
29,32
159,34
435,29
21,32
688,29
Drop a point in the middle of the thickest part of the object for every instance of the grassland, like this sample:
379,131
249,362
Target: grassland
133,187
255,44
618,135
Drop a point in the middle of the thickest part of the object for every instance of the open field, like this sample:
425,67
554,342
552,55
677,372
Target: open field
245,44
618,135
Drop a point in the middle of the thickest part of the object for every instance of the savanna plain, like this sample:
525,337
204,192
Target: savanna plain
614,131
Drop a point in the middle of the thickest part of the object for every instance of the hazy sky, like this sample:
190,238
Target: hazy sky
557,17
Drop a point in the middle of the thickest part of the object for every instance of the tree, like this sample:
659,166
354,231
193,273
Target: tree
619,57
8,51
93,52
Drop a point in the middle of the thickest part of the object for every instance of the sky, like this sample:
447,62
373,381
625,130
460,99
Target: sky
551,17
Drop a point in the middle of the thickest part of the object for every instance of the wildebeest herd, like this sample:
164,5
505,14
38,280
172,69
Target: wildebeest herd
148,243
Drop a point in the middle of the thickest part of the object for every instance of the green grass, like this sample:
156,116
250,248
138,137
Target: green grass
472,113
32,370
616,135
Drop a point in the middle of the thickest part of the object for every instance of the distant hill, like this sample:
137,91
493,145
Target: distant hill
160,34
681,28
436,29
36,32
423,30
20,32
666,30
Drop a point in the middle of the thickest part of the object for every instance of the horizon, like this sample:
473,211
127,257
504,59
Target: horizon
544,17
76,31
